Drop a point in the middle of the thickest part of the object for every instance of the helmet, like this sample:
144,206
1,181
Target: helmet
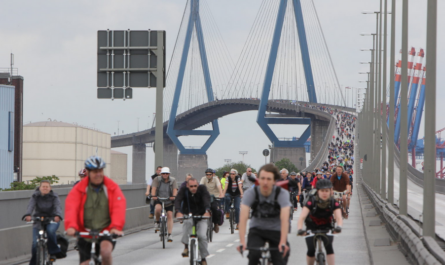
83,172
209,170
293,173
165,170
323,184
95,162
320,172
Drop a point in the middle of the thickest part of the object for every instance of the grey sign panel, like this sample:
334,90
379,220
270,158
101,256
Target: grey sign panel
128,58
105,93
265,152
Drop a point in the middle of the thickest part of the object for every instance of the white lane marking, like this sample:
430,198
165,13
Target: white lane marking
221,250
229,245
236,240
210,256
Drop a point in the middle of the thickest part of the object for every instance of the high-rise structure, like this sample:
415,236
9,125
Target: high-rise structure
17,82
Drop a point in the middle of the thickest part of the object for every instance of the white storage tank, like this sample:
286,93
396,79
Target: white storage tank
60,149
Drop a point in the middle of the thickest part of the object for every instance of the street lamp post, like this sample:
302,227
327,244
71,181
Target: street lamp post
391,106
243,153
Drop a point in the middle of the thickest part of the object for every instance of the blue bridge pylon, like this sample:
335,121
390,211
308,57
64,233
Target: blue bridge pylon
264,121
194,22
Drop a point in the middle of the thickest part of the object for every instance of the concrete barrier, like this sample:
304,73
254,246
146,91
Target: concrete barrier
16,236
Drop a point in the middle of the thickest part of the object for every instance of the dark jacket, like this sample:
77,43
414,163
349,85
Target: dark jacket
44,205
199,202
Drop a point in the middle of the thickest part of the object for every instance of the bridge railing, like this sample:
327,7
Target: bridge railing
16,236
324,150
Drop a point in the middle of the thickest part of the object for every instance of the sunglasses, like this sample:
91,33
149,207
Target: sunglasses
209,174
193,186
232,174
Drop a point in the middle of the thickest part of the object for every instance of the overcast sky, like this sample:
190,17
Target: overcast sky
54,43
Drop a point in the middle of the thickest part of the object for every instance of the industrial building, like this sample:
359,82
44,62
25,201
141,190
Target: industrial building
60,149
6,135
16,81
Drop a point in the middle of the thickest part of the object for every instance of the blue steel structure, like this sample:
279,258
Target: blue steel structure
410,69
262,120
194,22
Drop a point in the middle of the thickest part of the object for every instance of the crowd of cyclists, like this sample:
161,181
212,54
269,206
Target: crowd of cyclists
266,199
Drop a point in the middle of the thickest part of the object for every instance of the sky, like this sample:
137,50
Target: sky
54,43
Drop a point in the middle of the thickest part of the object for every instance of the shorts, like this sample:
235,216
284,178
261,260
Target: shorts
339,195
84,247
167,208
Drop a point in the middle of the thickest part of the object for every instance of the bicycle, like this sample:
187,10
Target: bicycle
339,198
293,194
210,225
232,214
195,258
163,221
95,235
42,257
320,257
266,258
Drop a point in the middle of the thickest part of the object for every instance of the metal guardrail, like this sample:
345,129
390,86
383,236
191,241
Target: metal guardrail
418,249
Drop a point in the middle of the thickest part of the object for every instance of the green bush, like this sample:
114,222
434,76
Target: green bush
241,167
34,183
287,164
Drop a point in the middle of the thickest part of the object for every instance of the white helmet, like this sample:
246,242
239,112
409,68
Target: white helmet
165,170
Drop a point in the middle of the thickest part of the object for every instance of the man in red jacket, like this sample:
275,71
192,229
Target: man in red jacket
95,203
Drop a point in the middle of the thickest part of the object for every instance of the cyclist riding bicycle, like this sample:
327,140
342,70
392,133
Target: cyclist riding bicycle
44,203
248,179
96,203
295,187
341,187
148,192
214,188
318,176
195,200
306,187
317,214
82,174
270,217
164,186
234,188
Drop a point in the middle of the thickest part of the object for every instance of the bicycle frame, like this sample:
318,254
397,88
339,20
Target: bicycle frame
319,253
42,238
95,235
194,236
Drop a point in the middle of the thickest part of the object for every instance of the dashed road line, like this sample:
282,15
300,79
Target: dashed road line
221,250
236,240
210,256
229,245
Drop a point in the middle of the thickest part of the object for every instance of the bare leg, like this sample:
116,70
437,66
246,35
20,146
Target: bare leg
170,222
106,248
310,260
331,259
158,210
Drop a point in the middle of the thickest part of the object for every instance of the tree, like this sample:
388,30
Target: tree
34,183
241,167
287,164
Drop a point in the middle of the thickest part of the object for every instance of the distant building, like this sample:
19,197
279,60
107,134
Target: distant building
6,135
118,167
59,148
17,82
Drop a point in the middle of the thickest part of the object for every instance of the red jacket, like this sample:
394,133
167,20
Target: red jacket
75,201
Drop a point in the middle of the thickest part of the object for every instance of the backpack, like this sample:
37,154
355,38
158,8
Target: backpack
62,241
265,209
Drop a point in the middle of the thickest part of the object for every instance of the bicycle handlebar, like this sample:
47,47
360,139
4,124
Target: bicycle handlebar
96,234
194,217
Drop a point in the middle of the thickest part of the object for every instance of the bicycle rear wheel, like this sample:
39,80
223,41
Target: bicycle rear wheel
162,232
192,252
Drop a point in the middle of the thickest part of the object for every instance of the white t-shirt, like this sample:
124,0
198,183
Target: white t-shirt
149,181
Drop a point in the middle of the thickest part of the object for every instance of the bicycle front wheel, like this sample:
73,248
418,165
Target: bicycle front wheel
41,253
320,259
210,230
162,232
232,220
192,252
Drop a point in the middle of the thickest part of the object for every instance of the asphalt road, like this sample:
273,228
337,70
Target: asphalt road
145,247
